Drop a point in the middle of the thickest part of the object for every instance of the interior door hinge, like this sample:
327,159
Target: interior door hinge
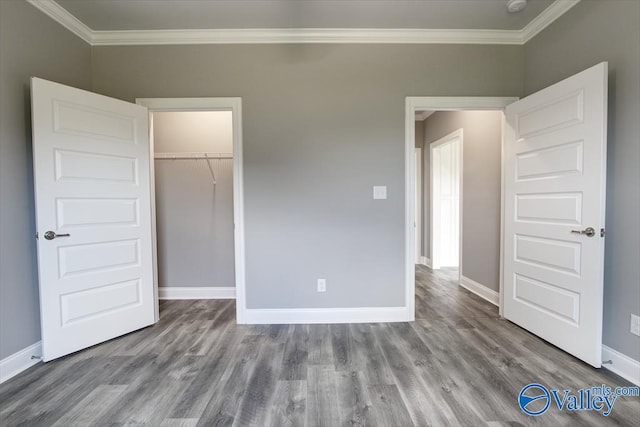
602,232
37,235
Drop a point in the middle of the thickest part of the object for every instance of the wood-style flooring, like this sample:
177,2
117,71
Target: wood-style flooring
458,364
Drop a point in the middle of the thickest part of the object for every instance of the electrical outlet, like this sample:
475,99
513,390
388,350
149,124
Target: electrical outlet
635,324
322,285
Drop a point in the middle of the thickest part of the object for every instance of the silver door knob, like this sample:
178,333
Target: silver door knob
589,232
50,235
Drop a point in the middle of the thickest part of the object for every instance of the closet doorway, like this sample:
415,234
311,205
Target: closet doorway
196,148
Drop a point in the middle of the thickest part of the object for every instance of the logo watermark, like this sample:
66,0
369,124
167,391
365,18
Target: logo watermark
535,399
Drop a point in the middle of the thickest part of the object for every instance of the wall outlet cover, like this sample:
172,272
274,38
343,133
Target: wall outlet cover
322,285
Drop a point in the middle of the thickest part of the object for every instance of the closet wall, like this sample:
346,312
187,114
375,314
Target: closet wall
194,199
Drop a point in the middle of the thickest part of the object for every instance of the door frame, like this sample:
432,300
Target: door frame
419,205
459,135
439,103
209,104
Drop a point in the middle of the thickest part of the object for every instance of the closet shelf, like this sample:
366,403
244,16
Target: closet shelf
192,156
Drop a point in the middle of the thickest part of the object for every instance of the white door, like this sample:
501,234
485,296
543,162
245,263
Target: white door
93,217
555,158
445,202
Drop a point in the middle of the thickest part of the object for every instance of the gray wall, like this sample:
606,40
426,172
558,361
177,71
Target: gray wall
322,125
193,131
592,32
482,139
194,216
31,44
194,222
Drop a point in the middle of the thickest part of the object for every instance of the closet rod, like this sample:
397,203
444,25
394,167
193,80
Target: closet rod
172,156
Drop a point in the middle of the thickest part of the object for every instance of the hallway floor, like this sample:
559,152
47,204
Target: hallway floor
457,364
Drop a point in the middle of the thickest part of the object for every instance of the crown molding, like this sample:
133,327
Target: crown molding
546,18
64,18
303,35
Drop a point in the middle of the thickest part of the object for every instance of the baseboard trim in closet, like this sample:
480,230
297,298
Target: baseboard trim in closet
195,292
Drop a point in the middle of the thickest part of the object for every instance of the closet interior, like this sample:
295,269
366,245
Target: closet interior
193,158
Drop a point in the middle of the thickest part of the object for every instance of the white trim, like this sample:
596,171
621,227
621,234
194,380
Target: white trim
59,14
622,365
327,315
419,103
19,361
502,178
481,290
409,208
456,103
235,106
193,292
546,18
304,35
154,229
425,261
307,35
418,203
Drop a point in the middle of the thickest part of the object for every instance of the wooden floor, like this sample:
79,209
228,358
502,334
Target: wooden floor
458,364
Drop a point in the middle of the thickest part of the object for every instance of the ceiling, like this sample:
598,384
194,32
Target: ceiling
118,15
163,22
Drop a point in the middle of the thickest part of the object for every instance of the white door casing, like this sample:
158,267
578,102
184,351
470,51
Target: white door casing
92,181
233,104
555,171
418,205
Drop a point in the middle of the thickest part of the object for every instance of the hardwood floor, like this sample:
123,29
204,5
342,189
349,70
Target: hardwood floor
458,364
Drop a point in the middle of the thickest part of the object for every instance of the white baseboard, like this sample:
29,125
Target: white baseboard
327,315
425,261
481,290
623,365
209,292
19,361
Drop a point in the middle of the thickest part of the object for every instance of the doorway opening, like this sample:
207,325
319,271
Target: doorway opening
196,148
439,153
193,152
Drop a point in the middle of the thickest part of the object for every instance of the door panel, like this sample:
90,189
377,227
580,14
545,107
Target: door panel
92,185
555,158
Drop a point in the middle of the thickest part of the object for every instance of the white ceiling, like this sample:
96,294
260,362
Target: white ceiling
117,15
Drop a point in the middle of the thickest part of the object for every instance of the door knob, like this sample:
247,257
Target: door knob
589,232
50,235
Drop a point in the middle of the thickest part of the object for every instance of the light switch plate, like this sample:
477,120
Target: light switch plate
379,192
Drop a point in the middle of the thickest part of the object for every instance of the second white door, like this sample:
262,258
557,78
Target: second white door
555,169
445,200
